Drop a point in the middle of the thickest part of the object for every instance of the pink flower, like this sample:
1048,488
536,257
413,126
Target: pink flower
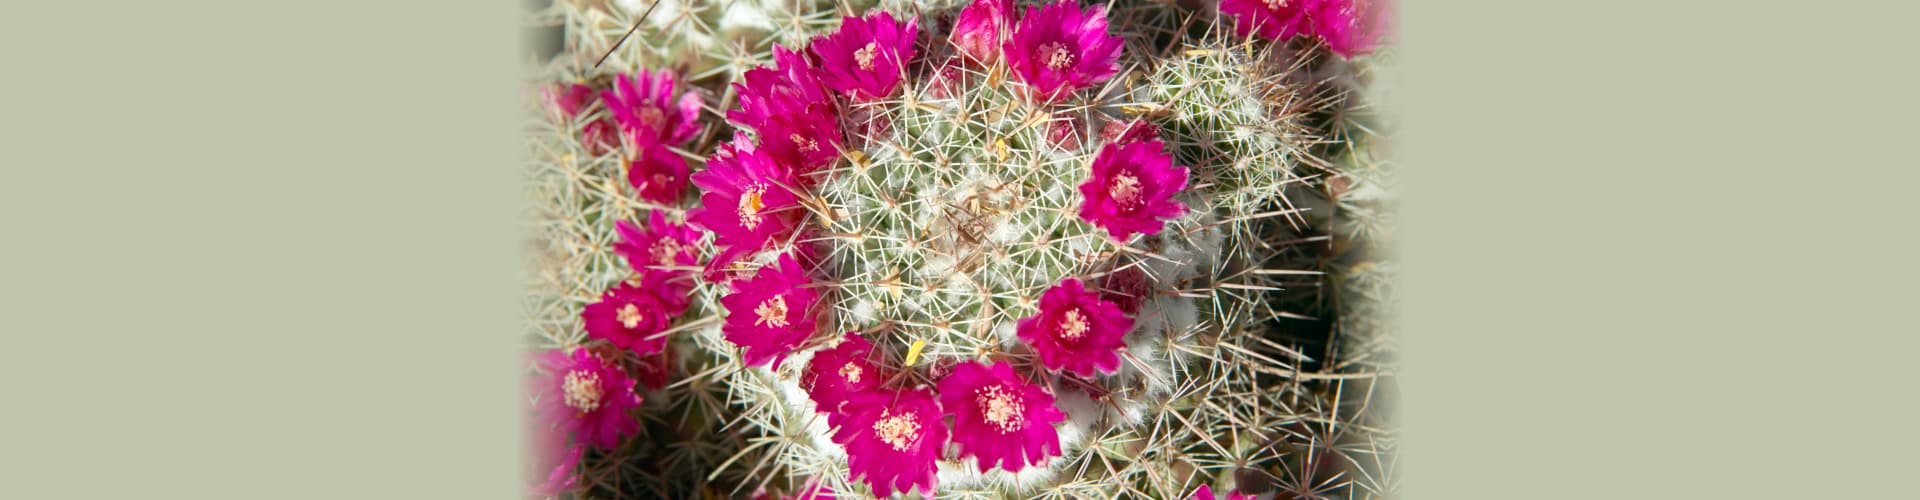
643,105
1059,49
1206,493
587,396
553,461
999,418
1075,330
564,103
790,111
1272,19
980,28
1129,131
747,202
632,317
835,374
1351,27
770,314
866,58
1131,188
658,174
663,254
893,439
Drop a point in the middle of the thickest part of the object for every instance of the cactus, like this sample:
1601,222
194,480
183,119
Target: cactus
953,208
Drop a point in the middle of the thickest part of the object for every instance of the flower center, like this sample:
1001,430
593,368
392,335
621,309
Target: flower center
1073,326
663,251
805,144
1001,408
865,55
899,431
1275,4
1126,189
582,390
630,316
653,119
1056,55
850,372
772,312
750,206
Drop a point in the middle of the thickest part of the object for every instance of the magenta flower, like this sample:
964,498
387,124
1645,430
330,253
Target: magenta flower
1058,49
790,111
663,254
1272,19
893,439
1351,27
643,105
770,314
632,317
838,373
1076,330
1131,188
1129,131
564,103
747,202
1206,493
866,58
553,461
980,28
657,173
587,396
999,418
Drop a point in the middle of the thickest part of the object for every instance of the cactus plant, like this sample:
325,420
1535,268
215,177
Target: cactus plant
930,237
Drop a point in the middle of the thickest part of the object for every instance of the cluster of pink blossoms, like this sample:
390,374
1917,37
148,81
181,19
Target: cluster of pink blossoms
644,115
751,200
1055,49
894,435
1348,27
585,397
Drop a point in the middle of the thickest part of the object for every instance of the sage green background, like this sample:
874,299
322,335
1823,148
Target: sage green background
265,250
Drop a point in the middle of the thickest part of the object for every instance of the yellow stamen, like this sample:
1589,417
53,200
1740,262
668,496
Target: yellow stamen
751,205
850,372
805,144
1073,326
1126,189
865,55
630,316
581,390
1001,408
899,431
663,251
772,312
1056,55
